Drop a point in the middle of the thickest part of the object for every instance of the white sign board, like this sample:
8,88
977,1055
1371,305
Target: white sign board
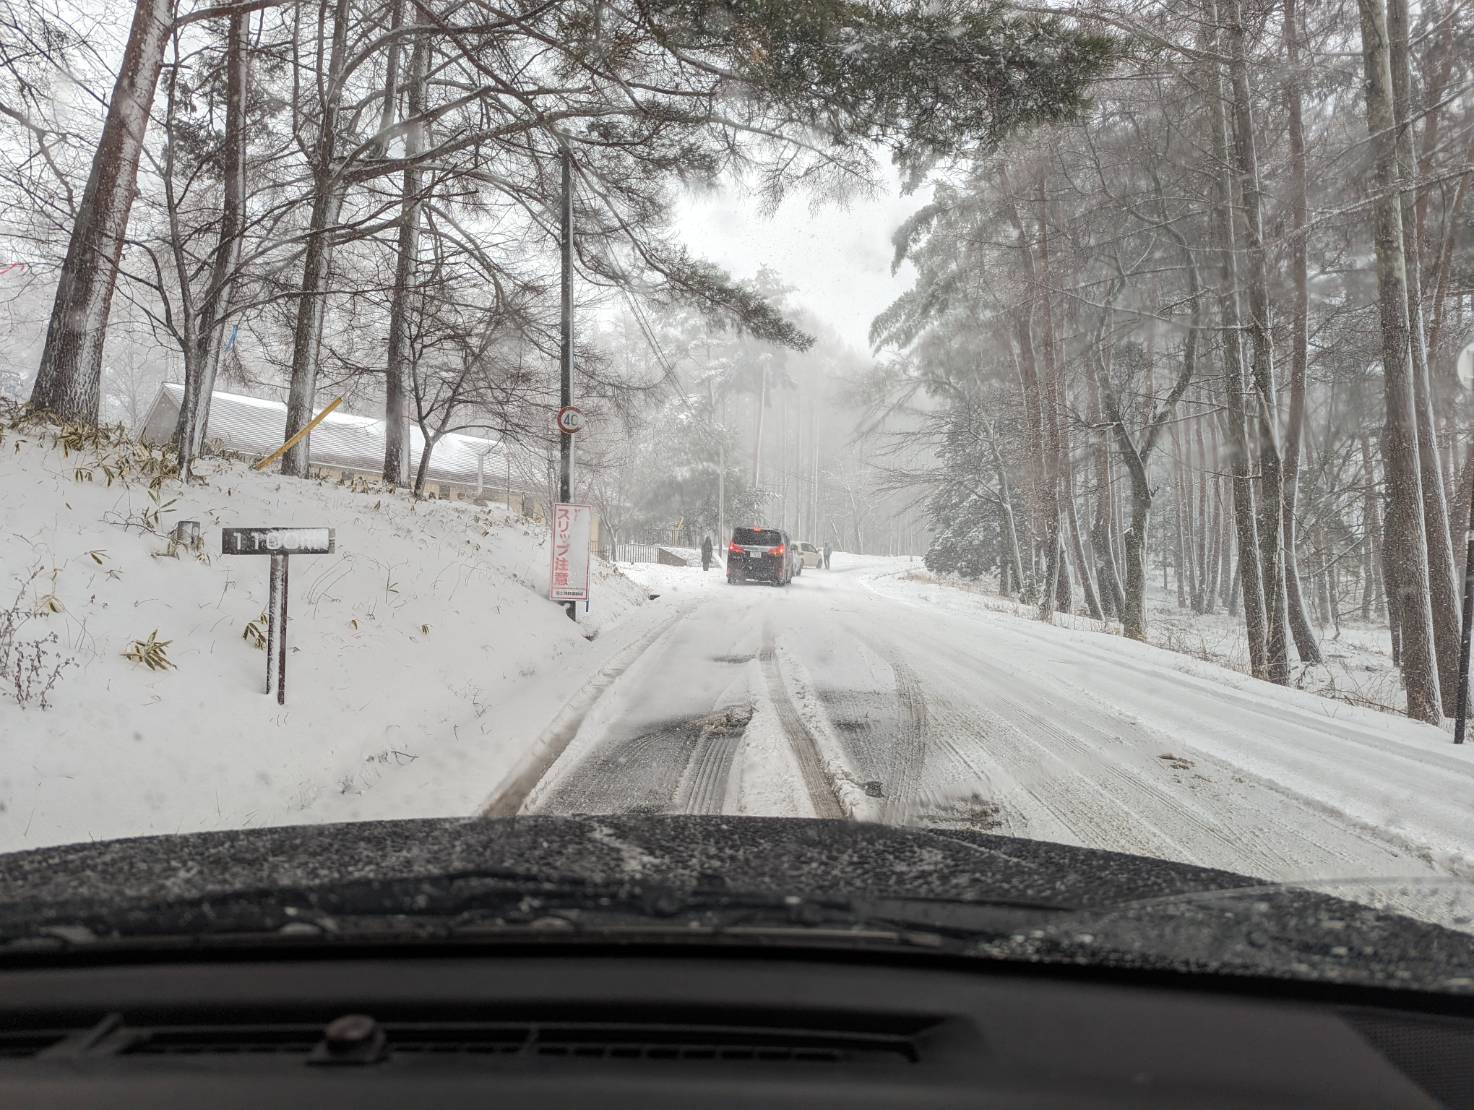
573,528
276,541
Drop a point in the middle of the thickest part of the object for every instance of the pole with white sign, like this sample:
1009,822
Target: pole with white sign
1461,709
280,544
568,575
1465,368
565,353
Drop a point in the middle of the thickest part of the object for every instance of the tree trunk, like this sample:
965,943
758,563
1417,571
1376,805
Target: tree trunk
1322,576
1212,588
1443,577
69,379
327,198
1305,643
1464,498
209,331
1370,563
1133,617
1265,404
1031,393
1202,526
1452,227
1102,540
398,363
1249,582
1226,564
423,468
1180,510
1118,526
1377,541
1049,415
1010,524
1407,545
1077,544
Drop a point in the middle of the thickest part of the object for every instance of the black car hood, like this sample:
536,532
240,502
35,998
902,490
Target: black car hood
813,857
1123,909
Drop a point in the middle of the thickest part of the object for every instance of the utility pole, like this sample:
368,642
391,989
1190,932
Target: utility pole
565,354
757,448
720,540
1461,708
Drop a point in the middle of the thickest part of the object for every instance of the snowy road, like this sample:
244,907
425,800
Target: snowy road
859,692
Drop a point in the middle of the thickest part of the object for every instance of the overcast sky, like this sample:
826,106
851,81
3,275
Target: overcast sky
838,259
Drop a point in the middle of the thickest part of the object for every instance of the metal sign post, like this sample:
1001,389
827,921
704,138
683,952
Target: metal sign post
1465,371
565,350
1461,708
280,544
276,630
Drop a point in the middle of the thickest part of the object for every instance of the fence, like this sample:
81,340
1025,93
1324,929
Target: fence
650,553
632,552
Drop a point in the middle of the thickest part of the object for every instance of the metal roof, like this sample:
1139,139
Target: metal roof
253,426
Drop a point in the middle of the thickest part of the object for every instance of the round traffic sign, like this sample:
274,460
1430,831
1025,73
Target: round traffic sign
570,420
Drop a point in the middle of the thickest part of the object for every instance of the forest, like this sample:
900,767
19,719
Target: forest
1219,326
366,200
1192,282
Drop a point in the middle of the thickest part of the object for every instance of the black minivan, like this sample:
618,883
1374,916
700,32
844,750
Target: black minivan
760,555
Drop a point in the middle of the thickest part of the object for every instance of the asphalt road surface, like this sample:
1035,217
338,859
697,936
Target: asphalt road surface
851,693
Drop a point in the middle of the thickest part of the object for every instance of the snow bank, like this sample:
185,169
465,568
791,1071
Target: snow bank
424,656
1357,662
661,579
1379,775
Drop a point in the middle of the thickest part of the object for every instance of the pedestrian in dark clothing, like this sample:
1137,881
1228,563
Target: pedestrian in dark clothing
828,551
706,553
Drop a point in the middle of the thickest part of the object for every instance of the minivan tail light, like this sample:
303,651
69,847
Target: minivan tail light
735,548
779,550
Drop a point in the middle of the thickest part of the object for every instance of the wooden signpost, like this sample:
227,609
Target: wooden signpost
280,544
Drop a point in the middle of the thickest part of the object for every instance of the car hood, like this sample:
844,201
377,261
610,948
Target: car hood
1116,909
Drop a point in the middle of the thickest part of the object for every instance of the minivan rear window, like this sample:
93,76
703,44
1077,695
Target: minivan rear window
757,537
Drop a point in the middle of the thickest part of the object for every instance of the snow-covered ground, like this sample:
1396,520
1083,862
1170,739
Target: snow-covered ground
1356,662
665,580
429,675
424,656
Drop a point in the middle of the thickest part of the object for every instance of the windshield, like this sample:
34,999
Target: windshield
398,400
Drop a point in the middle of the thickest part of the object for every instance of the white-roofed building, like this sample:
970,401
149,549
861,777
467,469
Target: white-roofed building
345,446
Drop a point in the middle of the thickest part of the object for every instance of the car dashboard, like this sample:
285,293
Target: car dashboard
650,1029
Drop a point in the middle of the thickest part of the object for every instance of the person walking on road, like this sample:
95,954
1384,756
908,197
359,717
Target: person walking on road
828,551
706,553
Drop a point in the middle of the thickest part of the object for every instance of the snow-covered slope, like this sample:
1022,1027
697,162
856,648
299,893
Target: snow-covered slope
1357,662
424,656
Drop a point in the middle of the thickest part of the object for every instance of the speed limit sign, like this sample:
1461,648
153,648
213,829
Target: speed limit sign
570,420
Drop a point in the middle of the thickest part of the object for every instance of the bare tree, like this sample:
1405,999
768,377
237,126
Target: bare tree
1406,541
69,380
